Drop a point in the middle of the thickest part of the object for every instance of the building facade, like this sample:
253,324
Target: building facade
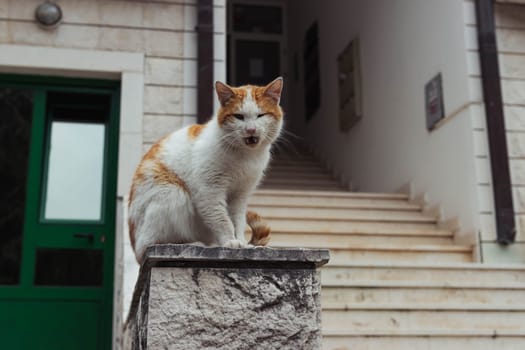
141,58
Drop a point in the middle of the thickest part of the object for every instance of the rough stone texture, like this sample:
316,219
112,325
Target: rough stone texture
234,309
193,297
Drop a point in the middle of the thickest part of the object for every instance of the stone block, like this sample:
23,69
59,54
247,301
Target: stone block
80,11
512,66
162,100
515,118
516,144
163,43
164,71
481,147
510,40
4,8
519,200
75,36
190,101
165,16
121,13
158,126
509,16
193,297
4,37
30,34
513,91
517,171
122,39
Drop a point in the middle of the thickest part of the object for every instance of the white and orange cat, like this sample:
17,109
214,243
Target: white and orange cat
193,185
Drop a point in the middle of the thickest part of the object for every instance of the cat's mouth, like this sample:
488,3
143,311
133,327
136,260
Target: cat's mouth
251,140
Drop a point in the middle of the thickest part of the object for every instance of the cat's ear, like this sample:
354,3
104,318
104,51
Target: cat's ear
274,89
224,92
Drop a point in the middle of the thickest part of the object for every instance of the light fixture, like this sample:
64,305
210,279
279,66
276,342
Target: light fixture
48,15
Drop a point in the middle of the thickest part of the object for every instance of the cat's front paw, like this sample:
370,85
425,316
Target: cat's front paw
235,243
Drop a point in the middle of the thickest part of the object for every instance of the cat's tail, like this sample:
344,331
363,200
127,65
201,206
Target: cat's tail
260,230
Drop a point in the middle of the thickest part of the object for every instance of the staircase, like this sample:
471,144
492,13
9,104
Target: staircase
395,280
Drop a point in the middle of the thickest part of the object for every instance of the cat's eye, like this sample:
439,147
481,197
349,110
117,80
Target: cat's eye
239,116
262,115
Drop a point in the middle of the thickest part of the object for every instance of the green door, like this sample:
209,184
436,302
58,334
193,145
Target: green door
58,159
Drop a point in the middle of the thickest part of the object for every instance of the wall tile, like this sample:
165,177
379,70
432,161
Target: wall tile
122,39
157,126
4,8
496,253
518,194
517,171
165,100
510,40
483,173
512,66
515,118
166,16
510,16
485,199
167,44
190,101
72,36
164,71
513,90
480,143
516,144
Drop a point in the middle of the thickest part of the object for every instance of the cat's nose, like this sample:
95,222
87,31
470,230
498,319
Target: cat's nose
251,131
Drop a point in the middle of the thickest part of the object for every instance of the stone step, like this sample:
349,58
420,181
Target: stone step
300,182
296,162
281,239
294,169
439,297
429,340
397,254
420,320
332,202
321,194
283,174
336,214
333,188
370,275
348,226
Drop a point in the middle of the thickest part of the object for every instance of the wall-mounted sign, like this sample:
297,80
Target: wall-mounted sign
350,90
434,101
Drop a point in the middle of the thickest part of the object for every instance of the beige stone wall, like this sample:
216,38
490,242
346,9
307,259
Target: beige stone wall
510,24
510,30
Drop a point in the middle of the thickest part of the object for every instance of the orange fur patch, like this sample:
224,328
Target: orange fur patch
233,105
165,176
140,176
260,231
266,103
195,130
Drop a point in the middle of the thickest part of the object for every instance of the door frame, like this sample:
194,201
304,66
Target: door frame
234,36
37,166
128,67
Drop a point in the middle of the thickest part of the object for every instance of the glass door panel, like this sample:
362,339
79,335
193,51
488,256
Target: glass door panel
75,171
16,108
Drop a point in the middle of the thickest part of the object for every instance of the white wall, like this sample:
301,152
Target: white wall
404,43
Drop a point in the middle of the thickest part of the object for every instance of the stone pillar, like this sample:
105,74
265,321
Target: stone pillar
193,297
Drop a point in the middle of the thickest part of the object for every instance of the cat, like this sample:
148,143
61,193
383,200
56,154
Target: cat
193,185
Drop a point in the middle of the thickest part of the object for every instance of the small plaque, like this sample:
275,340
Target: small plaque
434,101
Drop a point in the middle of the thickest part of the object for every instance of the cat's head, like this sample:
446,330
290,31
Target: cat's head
250,115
